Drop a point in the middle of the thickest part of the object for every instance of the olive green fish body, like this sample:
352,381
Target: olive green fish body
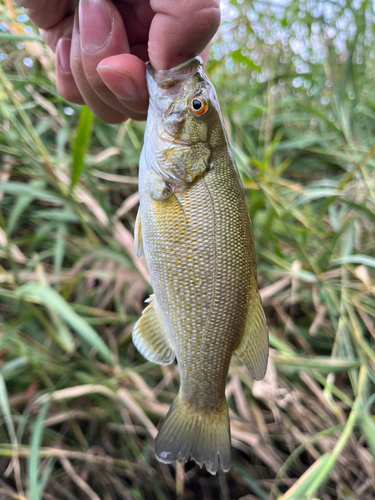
196,235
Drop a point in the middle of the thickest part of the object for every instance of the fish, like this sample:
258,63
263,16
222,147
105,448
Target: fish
194,229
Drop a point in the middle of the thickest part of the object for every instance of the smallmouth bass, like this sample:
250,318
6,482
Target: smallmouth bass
194,229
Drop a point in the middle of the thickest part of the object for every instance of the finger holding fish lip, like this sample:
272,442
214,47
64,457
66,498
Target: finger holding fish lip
100,58
128,85
181,30
119,79
77,58
114,73
90,48
92,100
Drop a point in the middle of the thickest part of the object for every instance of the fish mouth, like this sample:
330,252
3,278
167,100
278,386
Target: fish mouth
166,79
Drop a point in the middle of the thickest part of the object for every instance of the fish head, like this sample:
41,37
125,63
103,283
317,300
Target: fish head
186,119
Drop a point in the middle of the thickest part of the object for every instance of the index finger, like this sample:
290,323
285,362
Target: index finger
181,30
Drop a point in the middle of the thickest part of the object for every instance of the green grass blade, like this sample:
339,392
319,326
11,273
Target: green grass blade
59,248
356,259
51,299
13,368
319,472
20,188
80,144
33,460
21,38
19,206
368,427
300,487
6,411
322,364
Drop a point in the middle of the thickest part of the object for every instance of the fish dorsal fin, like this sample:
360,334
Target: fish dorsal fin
253,348
138,240
151,338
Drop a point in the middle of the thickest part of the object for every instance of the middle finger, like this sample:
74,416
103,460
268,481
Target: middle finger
102,35
104,112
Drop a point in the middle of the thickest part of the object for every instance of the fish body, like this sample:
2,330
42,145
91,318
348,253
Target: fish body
194,229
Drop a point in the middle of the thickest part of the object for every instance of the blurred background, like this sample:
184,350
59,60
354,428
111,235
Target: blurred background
79,407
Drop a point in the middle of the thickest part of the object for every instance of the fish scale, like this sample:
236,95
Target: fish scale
195,231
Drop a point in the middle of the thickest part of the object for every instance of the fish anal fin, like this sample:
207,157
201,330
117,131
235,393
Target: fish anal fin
138,240
151,338
190,434
253,348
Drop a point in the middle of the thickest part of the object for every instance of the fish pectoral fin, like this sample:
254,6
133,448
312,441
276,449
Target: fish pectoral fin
185,163
160,190
138,240
253,348
151,338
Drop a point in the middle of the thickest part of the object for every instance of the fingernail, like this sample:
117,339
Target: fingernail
63,48
95,24
124,87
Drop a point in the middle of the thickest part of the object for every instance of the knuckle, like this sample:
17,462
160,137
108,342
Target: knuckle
88,73
96,83
50,37
70,94
76,67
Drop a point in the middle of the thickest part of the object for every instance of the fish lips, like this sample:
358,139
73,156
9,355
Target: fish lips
167,79
166,85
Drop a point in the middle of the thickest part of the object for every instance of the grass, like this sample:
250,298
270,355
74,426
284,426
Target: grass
79,406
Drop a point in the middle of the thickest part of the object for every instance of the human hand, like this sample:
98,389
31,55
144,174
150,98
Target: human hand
102,46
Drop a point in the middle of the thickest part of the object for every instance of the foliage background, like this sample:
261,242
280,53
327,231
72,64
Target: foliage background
79,406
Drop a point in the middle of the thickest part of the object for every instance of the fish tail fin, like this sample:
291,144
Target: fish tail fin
188,433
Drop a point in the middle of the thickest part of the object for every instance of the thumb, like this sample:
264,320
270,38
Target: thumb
181,30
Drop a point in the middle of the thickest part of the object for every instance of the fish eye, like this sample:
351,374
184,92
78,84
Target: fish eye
199,105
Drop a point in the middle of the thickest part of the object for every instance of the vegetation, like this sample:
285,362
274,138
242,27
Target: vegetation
78,405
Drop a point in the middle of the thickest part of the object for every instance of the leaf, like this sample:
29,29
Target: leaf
361,208
5,410
51,299
13,368
60,215
315,194
80,144
323,364
33,460
21,38
299,488
21,188
59,250
21,203
303,141
356,259
368,427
